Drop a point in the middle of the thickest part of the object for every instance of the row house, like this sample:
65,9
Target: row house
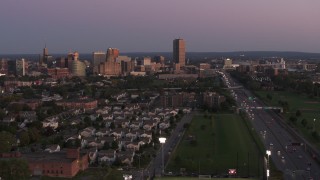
53,123
164,125
149,125
107,156
30,116
88,132
136,125
126,157
53,148
132,107
107,117
118,132
102,132
9,119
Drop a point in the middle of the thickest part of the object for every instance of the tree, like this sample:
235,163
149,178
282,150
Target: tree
6,141
298,113
293,119
304,122
112,126
106,146
269,97
24,138
114,145
14,169
186,125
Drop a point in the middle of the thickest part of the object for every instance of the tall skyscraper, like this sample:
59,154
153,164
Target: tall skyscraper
98,57
112,53
179,52
44,57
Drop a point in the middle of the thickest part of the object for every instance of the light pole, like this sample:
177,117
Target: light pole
268,152
162,141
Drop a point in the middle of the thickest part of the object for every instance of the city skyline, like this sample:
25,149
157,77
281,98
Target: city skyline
144,26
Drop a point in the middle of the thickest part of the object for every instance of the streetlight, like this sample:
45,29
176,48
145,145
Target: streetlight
162,141
268,152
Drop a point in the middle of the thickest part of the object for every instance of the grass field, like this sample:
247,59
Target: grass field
309,108
221,142
92,173
194,178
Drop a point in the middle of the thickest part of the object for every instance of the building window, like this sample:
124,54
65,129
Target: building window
48,171
61,172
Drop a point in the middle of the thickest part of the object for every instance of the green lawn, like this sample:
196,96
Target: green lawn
92,173
309,107
218,142
194,178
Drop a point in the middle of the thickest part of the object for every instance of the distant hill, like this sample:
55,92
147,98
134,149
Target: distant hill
191,55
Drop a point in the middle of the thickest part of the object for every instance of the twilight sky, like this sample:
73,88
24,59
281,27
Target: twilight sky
150,25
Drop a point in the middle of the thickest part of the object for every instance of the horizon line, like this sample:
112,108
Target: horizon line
287,51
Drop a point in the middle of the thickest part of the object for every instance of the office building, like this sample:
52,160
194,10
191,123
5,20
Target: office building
17,67
98,57
112,53
179,52
78,68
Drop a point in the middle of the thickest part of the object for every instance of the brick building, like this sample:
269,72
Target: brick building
57,73
79,103
59,164
172,100
213,99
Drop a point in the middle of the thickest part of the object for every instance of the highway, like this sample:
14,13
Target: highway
294,161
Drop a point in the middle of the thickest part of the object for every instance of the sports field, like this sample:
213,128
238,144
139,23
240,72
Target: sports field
212,145
194,178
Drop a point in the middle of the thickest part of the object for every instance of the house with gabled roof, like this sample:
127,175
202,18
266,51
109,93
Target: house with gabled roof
107,156
106,117
126,157
118,133
135,125
132,145
146,134
164,125
53,148
102,132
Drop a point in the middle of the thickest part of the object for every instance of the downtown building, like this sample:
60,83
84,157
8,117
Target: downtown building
179,52
97,58
115,65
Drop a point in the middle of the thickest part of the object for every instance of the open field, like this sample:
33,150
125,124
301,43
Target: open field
194,178
212,145
91,173
309,108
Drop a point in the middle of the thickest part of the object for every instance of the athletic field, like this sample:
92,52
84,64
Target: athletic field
196,178
213,145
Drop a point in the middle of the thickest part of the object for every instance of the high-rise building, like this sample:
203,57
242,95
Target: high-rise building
78,68
44,57
3,66
179,52
98,57
112,53
17,67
